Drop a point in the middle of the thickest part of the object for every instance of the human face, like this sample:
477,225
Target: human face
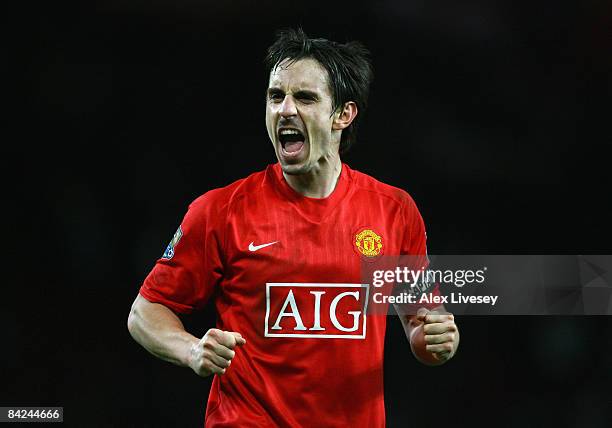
299,116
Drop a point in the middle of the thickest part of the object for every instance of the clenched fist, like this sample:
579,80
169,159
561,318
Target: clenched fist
213,354
439,336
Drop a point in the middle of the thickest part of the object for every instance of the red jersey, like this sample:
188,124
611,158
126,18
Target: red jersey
284,270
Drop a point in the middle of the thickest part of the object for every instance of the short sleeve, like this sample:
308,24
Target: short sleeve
188,273
415,246
415,236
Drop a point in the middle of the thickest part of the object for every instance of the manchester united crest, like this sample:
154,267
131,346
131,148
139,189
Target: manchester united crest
368,243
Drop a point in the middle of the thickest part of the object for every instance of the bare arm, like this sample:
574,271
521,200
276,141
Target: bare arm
433,335
160,331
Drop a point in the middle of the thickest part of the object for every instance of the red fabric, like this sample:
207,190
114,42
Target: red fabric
290,381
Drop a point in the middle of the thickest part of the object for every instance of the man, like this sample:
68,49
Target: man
281,251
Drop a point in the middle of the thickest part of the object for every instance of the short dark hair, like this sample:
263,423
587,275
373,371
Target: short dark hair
348,67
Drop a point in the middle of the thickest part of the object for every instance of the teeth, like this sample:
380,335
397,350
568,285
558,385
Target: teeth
289,132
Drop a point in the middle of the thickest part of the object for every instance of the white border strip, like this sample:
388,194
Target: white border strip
319,285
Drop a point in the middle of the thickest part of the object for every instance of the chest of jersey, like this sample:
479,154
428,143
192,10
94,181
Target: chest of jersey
280,243
300,274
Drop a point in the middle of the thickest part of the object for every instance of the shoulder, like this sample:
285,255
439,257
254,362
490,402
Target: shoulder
377,189
220,199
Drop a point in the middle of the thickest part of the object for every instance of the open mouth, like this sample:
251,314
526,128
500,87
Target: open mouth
291,140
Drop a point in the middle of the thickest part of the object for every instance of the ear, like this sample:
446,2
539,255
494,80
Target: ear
343,119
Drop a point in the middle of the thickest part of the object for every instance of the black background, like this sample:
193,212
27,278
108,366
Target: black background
493,115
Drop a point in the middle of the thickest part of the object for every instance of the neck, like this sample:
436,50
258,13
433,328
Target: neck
320,182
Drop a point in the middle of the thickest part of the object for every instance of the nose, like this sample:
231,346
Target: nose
287,108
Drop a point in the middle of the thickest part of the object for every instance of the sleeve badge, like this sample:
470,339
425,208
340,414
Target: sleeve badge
169,253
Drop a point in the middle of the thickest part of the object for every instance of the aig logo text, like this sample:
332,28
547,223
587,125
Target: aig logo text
310,310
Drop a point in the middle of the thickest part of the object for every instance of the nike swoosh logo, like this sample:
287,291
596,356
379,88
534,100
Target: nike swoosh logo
259,247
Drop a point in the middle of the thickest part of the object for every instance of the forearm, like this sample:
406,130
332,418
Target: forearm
160,332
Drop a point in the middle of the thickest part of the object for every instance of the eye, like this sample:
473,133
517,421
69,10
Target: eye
306,99
275,97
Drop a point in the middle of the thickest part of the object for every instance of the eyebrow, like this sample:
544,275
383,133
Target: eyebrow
302,93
